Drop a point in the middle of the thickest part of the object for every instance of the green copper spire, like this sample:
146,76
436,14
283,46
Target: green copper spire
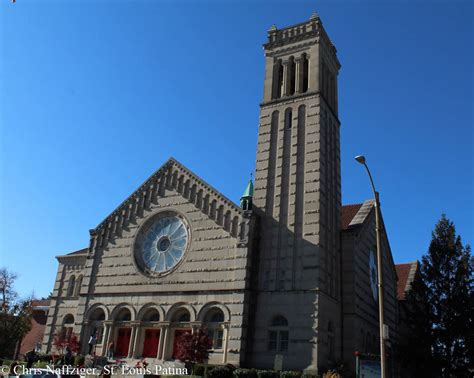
248,190
246,199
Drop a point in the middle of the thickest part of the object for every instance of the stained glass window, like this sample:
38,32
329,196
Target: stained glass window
162,245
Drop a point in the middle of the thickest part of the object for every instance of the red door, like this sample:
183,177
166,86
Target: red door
177,339
123,342
150,345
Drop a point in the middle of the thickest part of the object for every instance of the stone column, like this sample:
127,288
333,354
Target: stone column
133,336
166,339
299,75
108,335
161,342
226,343
195,326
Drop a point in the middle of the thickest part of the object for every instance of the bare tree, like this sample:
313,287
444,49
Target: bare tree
15,317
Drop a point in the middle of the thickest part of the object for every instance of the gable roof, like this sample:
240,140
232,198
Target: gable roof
348,213
79,252
40,302
406,275
170,164
355,215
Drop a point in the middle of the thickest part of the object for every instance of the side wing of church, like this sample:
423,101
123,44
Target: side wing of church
290,272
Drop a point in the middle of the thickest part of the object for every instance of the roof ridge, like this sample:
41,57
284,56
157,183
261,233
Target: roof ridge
171,161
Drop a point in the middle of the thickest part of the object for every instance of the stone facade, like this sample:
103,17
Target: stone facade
280,278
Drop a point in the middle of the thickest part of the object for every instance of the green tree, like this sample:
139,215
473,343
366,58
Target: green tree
442,304
415,352
15,315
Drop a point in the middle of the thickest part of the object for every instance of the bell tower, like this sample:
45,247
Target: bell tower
298,199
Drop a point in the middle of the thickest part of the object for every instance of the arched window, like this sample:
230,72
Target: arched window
288,118
205,205
227,220
213,321
278,334
292,76
235,226
151,315
186,189
220,215
68,326
123,315
78,285
212,212
175,179
181,316
199,200
180,184
192,196
70,287
277,79
96,319
304,73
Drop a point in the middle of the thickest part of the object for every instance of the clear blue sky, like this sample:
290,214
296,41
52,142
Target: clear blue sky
96,95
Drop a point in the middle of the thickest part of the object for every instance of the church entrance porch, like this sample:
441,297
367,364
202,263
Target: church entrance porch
123,342
151,343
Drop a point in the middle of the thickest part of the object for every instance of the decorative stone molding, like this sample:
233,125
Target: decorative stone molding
170,176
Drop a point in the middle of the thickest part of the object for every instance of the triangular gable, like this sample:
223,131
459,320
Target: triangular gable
170,176
361,217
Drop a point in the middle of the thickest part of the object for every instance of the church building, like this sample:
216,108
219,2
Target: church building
289,271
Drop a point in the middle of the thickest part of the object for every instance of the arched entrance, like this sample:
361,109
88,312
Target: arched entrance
180,326
214,322
151,334
96,327
123,332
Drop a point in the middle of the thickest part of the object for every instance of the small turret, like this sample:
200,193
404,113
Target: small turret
246,199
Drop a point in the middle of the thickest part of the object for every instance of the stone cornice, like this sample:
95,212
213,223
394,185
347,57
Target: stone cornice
165,178
77,259
170,163
288,100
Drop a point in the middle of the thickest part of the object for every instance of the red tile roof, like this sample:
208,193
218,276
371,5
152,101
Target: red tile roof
34,337
40,302
348,213
403,274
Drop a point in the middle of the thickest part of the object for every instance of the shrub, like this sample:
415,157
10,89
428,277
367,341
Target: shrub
245,373
220,372
268,374
79,360
290,374
199,369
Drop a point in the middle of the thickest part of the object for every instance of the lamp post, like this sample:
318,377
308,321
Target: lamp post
361,160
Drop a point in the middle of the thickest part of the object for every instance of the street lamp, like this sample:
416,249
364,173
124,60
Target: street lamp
361,160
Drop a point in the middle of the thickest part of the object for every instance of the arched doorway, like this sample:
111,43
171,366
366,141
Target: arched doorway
123,332
180,323
151,334
213,321
96,327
